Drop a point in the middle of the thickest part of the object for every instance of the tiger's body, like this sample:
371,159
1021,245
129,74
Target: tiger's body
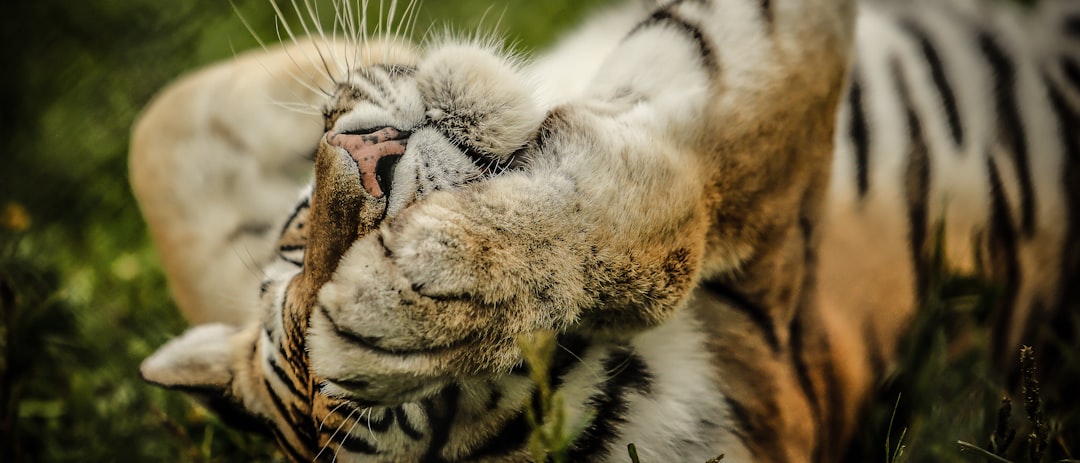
722,208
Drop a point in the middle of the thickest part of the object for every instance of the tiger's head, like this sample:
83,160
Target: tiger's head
396,131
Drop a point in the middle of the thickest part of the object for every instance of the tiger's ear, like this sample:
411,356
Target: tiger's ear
198,360
209,362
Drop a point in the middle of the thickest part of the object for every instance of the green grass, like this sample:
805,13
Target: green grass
83,301
948,388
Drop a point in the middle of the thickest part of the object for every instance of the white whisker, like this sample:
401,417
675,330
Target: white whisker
278,21
317,24
349,432
299,108
591,370
332,436
329,413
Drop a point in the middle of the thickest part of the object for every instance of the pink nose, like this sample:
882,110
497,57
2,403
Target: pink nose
367,150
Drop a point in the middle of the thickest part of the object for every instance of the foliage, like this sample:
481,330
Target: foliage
948,387
552,435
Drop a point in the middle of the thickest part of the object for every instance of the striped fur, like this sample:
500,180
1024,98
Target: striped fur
723,208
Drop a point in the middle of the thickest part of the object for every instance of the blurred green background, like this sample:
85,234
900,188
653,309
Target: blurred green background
81,291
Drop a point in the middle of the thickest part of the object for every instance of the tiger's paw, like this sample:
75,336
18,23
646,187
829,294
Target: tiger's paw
444,291
380,336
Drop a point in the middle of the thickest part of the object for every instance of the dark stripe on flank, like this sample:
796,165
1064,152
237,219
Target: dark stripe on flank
628,373
860,135
941,81
1003,259
754,312
666,18
916,185
1069,128
767,13
1010,126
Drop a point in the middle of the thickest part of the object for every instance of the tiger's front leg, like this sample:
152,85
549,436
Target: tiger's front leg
446,288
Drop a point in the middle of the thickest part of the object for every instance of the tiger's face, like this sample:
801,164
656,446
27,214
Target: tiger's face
396,131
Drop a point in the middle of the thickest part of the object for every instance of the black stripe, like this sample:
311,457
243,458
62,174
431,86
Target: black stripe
767,14
628,374
834,402
382,424
1072,26
494,397
511,437
860,135
916,185
441,411
631,370
1003,259
306,203
744,424
1069,129
1010,125
291,247
802,374
289,321
230,410
354,443
294,454
570,349
292,416
294,419
405,425
1071,72
941,82
289,415
664,17
753,311
284,378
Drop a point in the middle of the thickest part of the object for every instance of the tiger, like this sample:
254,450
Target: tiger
720,210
